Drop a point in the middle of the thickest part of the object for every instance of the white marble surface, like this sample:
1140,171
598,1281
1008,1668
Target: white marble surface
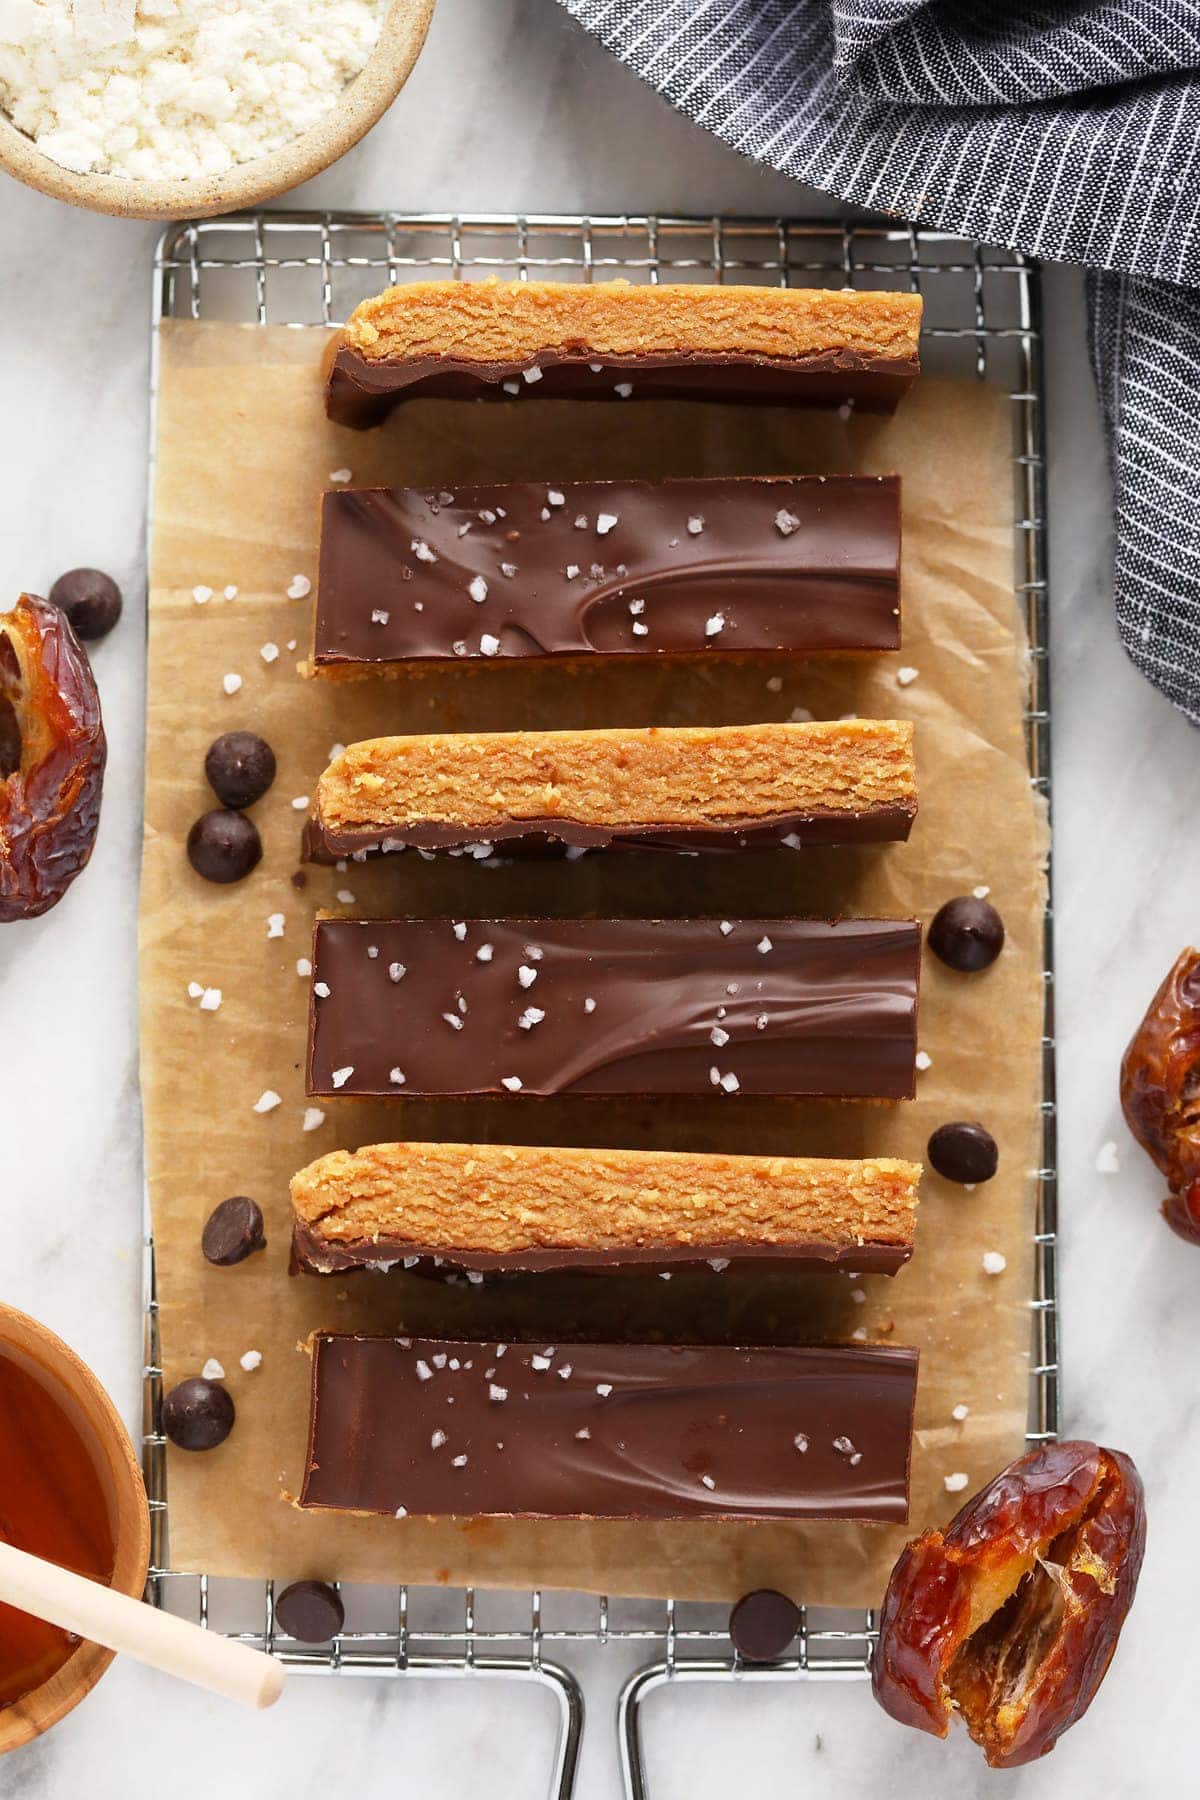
511,107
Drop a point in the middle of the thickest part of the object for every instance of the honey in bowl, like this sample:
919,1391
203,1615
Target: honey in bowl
54,1502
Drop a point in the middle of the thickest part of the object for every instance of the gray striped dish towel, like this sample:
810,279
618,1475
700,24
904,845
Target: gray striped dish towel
1071,132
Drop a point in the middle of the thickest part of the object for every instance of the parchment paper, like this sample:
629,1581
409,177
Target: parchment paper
243,451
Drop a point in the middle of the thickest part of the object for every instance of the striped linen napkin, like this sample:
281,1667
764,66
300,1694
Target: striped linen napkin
1071,132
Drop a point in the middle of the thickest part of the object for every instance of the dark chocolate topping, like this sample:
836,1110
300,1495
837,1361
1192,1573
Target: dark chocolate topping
361,392
315,1254
616,1431
615,1006
685,568
795,831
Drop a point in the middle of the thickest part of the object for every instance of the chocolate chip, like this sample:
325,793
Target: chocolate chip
91,600
763,1624
311,1611
964,1151
224,846
233,1231
240,767
198,1414
967,934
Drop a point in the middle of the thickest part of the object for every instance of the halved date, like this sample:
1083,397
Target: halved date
52,754
1010,1616
1160,1090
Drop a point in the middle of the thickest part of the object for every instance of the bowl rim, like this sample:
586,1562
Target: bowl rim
45,1705
362,104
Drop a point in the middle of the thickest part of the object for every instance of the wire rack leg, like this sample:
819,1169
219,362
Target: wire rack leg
569,1695
629,1727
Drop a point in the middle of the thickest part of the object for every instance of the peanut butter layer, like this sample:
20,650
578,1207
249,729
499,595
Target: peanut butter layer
496,321
822,781
496,1206
611,340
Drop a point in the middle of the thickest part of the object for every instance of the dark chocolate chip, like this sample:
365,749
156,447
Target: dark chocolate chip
91,600
311,1611
240,767
763,1624
967,934
234,1229
964,1151
224,846
198,1414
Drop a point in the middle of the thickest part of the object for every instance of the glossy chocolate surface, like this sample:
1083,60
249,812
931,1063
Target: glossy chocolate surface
609,1431
361,392
524,837
314,1254
623,1006
740,565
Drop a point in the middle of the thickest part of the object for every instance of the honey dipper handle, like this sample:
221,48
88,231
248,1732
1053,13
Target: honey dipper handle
97,1613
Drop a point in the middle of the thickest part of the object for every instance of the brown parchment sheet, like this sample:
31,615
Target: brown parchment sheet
243,452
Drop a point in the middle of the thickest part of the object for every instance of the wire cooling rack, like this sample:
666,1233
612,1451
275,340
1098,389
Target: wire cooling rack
982,317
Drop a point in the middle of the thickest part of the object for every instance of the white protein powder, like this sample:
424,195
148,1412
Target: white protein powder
194,87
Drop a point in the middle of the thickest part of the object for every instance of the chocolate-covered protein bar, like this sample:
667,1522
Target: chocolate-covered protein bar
578,569
614,341
609,1431
688,788
509,1208
528,1007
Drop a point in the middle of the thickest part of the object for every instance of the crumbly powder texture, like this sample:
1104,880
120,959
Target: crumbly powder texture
189,88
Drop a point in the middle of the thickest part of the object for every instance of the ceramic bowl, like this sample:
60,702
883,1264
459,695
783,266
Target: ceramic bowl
364,101
81,1395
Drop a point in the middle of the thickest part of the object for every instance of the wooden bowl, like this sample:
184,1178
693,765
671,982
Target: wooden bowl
364,101
78,1390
